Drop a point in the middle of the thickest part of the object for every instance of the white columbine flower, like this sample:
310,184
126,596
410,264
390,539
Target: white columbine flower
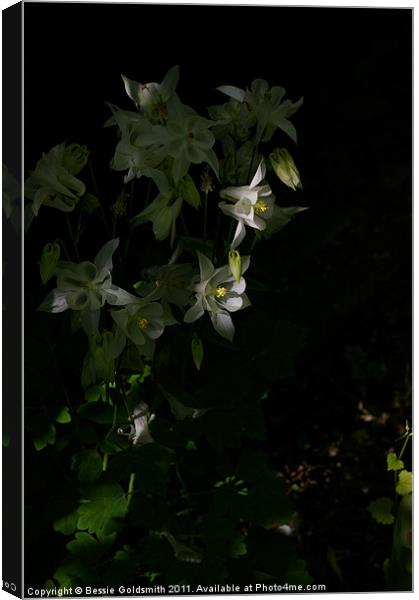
86,286
253,205
141,418
143,322
52,184
219,294
99,362
169,283
151,98
134,152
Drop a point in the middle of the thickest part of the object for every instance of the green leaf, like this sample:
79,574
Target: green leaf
98,412
251,465
89,465
63,415
43,432
394,463
103,504
85,547
193,245
73,572
222,537
66,524
297,573
265,503
197,348
49,259
380,510
405,483
152,464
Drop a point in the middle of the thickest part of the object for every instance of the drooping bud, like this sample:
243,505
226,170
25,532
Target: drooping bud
75,158
197,351
235,264
284,166
188,191
49,259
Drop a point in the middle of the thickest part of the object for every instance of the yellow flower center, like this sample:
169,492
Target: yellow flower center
261,207
220,292
142,323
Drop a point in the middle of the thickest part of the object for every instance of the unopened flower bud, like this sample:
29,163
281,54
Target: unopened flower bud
188,191
235,263
197,351
49,259
284,166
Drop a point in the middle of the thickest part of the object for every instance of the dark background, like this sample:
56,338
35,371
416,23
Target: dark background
341,272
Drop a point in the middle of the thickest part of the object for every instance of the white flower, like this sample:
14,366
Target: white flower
143,322
140,432
267,107
151,98
253,205
219,294
180,410
169,283
99,362
52,184
134,152
86,286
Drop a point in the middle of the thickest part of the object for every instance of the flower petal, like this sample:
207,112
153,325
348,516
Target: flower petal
55,302
117,296
195,312
154,329
259,175
233,303
205,266
223,324
103,258
90,321
239,234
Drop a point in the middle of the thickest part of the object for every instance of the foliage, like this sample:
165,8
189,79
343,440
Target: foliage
398,568
163,419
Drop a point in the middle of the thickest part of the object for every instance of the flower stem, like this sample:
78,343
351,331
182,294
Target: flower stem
105,461
130,488
70,231
251,162
96,189
205,216
64,248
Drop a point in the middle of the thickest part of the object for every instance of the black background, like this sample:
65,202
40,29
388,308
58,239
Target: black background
343,268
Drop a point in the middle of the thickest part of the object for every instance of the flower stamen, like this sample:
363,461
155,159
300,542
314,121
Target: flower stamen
261,207
220,292
142,323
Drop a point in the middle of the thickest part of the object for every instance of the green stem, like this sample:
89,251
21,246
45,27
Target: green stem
251,162
96,189
130,488
115,410
78,231
205,216
255,239
408,436
105,461
217,234
64,248
70,231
